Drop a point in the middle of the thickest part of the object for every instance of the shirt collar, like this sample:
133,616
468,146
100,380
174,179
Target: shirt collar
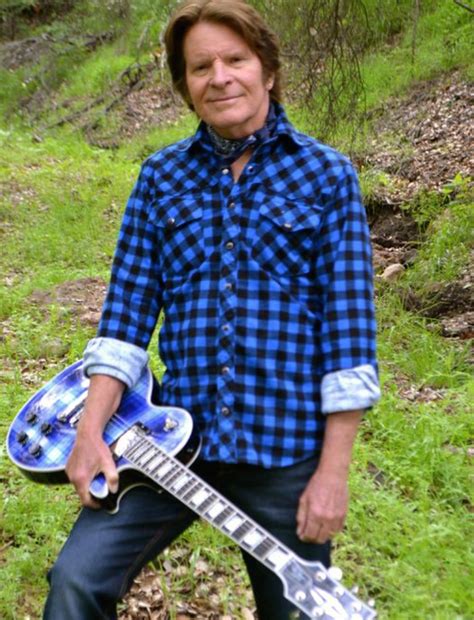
283,129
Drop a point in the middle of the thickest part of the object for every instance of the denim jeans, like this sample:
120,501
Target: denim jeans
105,552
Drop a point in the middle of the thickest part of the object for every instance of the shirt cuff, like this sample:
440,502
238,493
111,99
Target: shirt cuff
115,358
350,390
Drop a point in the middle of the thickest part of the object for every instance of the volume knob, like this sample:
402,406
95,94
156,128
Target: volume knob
35,450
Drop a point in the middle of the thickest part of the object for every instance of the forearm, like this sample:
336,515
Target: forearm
323,505
103,400
339,437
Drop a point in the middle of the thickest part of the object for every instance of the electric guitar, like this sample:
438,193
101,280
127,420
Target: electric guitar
157,443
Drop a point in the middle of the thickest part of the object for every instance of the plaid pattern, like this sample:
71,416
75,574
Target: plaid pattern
265,284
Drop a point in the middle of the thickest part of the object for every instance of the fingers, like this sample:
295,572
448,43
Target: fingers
111,475
84,464
321,512
316,527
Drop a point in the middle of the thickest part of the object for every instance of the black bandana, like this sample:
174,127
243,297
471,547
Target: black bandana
231,150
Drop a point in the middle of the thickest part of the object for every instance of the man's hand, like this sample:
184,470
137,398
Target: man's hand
322,508
323,505
89,457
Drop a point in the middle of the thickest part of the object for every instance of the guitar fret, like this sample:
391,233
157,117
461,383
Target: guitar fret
136,450
143,459
188,489
164,469
175,472
253,538
278,558
180,482
200,497
154,462
264,548
233,523
242,530
223,516
216,509
207,503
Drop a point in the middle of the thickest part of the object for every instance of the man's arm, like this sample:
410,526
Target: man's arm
91,455
323,505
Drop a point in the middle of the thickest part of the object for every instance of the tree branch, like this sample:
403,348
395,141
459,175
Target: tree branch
464,6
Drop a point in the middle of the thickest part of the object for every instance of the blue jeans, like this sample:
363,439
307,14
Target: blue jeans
105,552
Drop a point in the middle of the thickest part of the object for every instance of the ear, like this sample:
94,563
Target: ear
269,82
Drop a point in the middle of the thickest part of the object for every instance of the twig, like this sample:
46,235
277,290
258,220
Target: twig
464,6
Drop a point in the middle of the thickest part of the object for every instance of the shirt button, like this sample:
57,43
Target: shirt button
225,411
231,205
229,245
250,168
225,328
228,286
170,222
288,225
225,171
225,370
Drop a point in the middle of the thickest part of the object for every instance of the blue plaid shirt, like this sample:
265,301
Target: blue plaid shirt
265,285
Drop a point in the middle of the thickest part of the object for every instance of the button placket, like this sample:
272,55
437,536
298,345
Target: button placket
227,302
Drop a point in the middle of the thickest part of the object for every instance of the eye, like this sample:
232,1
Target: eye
199,68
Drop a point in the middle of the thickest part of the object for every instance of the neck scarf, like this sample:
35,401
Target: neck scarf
230,150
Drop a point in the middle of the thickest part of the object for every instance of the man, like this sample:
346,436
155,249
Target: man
251,239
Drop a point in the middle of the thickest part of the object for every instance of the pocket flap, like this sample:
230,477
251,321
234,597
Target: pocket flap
171,213
291,215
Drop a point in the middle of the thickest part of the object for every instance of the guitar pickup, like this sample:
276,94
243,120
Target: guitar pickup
72,413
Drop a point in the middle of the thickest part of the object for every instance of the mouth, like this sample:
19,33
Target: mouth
224,99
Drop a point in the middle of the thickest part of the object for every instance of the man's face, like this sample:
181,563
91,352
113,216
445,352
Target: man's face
225,80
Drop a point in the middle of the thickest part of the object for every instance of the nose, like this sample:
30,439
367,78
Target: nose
220,75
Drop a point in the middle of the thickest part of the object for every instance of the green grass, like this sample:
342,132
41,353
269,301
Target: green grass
443,43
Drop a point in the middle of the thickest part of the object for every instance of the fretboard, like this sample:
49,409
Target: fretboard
193,491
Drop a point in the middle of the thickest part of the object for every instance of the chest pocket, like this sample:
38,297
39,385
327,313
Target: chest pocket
179,223
285,236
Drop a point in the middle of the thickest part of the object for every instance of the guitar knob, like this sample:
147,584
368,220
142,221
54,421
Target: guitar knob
31,417
35,450
22,437
46,428
335,573
371,603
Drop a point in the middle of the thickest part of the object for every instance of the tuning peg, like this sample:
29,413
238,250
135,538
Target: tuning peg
355,590
335,573
371,603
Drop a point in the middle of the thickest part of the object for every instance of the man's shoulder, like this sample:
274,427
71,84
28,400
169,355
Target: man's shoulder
320,153
169,153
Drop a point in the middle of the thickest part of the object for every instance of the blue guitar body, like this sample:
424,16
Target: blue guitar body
42,435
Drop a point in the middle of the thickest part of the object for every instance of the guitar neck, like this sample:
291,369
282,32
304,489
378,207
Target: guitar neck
192,491
308,585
